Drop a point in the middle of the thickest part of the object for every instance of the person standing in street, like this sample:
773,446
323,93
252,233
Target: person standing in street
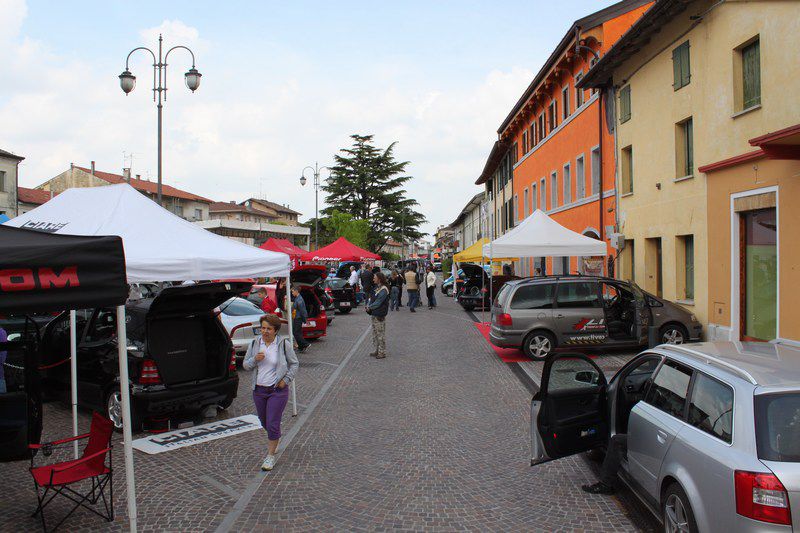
400,286
430,287
275,363
395,284
299,316
413,289
378,308
366,282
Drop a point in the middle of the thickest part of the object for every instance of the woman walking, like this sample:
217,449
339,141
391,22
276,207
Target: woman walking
275,363
378,308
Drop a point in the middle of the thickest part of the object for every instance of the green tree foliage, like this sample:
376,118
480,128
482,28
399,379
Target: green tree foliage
368,183
340,224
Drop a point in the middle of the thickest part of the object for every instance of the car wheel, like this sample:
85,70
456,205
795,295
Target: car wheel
450,291
114,410
673,334
538,345
677,512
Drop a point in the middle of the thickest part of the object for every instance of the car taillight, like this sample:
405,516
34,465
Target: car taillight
762,497
149,374
504,319
328,290
232,366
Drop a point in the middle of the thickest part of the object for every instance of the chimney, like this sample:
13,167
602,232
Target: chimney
138,176
126,173
71,166
92,168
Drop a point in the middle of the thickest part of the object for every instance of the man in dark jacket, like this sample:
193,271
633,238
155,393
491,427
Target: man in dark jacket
378,308
366,282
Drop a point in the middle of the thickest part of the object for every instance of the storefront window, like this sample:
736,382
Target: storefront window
760,260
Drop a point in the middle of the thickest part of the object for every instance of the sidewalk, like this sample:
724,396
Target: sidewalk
435,437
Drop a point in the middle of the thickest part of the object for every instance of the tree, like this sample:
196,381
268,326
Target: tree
367,183
344,225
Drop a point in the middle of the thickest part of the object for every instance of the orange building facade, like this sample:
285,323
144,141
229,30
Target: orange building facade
563,150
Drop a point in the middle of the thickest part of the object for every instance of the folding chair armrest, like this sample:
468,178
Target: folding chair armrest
82,460
56,442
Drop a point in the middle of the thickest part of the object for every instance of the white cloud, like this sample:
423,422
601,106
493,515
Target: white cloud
247,128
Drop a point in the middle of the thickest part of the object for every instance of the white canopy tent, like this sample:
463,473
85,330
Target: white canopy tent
159,246
541,236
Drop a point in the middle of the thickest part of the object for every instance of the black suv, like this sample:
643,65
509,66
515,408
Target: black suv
341,293
180,357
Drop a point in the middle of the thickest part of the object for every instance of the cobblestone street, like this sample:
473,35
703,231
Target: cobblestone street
435,437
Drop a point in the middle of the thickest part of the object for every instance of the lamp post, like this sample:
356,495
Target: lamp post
315,169
127,82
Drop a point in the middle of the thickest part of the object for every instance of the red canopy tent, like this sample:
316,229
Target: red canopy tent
340,250
284,246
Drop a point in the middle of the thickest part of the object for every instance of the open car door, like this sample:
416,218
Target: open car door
568,414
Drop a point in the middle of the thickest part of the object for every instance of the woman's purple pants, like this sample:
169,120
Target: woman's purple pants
270,403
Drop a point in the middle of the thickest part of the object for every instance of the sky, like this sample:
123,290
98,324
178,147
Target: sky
284,86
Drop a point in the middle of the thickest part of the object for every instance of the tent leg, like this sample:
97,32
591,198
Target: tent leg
73,372
122,354
483,289
291,337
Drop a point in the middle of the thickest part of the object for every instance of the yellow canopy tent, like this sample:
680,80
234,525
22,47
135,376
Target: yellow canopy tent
474,254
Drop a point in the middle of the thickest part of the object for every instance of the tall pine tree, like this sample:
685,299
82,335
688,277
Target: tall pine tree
367,182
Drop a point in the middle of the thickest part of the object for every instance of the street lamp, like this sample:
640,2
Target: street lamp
315,169
127,81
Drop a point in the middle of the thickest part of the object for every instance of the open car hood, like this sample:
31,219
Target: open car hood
309,274
200,298
472,270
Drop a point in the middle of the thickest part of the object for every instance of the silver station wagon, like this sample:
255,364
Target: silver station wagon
712,429
540,314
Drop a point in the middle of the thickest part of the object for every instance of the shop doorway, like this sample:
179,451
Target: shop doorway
758,279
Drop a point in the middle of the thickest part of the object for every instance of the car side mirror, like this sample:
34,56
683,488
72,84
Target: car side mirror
589,377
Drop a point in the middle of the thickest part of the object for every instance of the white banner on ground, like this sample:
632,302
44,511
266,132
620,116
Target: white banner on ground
172,440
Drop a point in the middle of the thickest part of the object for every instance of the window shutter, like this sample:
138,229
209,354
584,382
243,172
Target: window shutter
676,68
685,70
751,71
689,147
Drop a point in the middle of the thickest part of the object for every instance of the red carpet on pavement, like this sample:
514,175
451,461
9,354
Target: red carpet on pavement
508,355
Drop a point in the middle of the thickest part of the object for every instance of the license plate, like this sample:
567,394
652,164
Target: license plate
344,304
310,324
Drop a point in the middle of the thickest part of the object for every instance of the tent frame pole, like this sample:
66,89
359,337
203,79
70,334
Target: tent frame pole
124,388
73,373
291,339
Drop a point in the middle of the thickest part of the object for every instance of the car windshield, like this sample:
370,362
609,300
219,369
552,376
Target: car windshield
240,307
336,283
778,427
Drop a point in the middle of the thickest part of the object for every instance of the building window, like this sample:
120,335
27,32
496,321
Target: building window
534,198
652,266
514,154
552,116
685,264
580,178
198,214
567,184
627,170
542,195
748,74
542,131
525,142
684,150
179,210
565,102
2,181
680,66
554,189
525,203
596,170
515,218
625,104
578,92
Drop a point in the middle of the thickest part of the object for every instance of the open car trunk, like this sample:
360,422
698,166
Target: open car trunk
184,336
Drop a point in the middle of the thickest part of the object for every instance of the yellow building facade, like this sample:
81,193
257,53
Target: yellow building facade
693,84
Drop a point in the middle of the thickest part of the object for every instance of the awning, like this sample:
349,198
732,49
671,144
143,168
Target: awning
474,254
541,236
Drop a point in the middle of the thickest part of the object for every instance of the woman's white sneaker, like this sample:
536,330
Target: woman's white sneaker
268,463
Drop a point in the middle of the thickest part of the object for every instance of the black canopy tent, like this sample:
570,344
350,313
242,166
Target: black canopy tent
48,272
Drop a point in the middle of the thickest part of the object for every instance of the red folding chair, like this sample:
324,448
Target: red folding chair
60,478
